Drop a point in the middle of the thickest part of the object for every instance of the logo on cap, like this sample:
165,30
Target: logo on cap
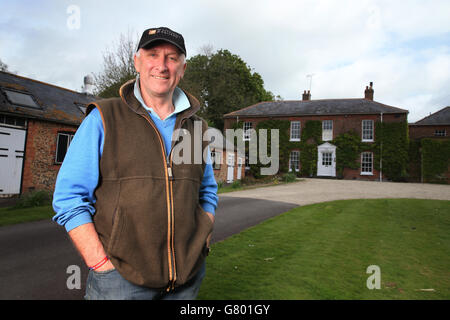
153,31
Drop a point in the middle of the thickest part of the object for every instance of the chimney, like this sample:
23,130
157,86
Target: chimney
88,87
368,93
306,96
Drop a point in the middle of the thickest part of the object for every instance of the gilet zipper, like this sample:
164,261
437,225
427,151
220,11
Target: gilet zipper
170,214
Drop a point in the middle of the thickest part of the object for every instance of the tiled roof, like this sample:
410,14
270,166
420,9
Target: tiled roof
315,107
441,117
54,103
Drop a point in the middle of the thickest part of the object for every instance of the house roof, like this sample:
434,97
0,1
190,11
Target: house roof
441,117
315,107
53,103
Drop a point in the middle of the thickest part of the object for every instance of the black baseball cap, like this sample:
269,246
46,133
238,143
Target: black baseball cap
162,34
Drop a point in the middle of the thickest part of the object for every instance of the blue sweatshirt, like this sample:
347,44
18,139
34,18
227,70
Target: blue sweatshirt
78,176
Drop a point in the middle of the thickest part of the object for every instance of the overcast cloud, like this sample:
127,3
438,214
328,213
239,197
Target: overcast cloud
402,46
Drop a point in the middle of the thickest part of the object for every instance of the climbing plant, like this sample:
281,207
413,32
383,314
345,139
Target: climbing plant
348,146
435,160
390,146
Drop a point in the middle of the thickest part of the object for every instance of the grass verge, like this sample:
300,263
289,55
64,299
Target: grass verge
10,215
322,251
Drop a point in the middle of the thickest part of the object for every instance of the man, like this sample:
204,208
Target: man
141,221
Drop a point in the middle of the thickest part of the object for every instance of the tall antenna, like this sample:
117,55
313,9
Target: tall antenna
310,80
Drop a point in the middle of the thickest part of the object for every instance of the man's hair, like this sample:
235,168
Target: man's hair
138,54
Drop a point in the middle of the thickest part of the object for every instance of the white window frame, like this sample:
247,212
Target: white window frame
295,131
69,140
365,131
216,159
247,130
297,152
440,133
328,159
364,172
327,133
14,122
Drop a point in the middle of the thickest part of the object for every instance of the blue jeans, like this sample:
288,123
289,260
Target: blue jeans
110,285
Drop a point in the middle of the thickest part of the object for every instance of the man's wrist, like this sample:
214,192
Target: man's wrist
107,266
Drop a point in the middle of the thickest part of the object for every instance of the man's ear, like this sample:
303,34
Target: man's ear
184,69
136,63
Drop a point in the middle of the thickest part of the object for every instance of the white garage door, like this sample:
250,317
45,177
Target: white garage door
12,144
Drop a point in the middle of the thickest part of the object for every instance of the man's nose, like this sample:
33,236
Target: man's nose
162,64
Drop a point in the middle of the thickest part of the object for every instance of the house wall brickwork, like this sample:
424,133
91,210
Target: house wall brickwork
40,169
341,124
221,172
426,131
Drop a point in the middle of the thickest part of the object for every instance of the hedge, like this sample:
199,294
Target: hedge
435,160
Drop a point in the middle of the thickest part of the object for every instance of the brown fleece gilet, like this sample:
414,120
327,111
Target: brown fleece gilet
148,216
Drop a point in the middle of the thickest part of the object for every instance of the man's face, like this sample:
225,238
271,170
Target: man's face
161,68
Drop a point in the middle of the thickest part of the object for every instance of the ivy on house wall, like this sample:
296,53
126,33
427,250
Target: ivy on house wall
435,160
391,140
311,137
414,155
283,128
348,149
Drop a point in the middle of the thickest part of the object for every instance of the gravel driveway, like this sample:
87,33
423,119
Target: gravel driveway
309,191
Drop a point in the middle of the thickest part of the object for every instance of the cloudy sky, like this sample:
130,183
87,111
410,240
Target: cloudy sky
403,47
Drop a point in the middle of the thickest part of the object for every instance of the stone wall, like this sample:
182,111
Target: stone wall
40,169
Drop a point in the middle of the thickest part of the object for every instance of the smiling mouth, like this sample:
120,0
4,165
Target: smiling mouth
160,78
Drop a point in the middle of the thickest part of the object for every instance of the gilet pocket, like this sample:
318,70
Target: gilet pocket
118,226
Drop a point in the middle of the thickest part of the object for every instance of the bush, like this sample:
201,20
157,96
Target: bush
34,199
289,177
236,184
436,159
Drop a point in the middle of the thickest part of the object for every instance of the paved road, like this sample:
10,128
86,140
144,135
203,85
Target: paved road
34,256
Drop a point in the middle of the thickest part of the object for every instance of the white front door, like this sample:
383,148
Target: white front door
12,144
230,164
326,160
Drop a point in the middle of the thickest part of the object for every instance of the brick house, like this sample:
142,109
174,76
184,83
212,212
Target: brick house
227,163
337,116
431,133
37,123
436,125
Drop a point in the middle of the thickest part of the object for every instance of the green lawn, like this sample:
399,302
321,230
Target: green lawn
10,216
322,251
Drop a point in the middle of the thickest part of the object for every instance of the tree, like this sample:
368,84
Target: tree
3,66
223,83
118,67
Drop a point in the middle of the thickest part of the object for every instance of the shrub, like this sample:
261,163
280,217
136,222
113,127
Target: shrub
236,184
289,177
34,199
